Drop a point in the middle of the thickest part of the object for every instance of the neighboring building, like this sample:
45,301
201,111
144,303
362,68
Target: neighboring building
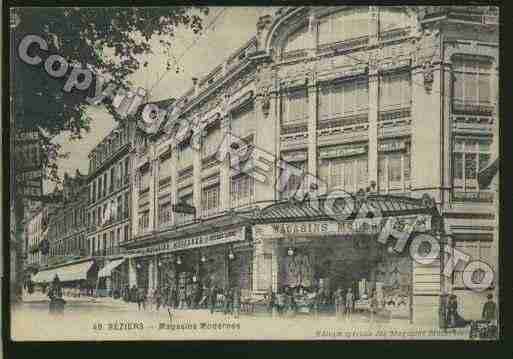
401,101
67,236
108,209
33,237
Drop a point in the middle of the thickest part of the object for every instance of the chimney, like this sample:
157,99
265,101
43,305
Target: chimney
195,84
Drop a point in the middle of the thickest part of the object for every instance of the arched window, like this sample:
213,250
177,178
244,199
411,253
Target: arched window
344,25
391,18
297,41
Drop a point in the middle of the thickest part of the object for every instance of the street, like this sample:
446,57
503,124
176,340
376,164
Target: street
110,319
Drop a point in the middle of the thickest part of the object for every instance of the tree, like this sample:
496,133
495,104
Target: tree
112,41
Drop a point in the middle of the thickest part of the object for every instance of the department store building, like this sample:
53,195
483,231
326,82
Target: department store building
400,102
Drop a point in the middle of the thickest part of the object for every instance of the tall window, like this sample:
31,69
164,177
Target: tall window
126,176
344,25
125,233
210,200
471,83
212,141
144,182
394,166
295,106
243,122
100,187
184,217
111,242
184,154
165,210
344,98
242,190
118,237
294,182
469,157
126,205
104,184
144,220
112,178
165,169
395,90
348,174
119,211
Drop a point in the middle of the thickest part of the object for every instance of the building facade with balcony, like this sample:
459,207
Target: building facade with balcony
108,205
34,235
65,231
401,102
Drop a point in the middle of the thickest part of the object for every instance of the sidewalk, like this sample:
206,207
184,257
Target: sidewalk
40,297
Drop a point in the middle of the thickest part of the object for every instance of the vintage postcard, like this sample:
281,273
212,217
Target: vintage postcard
254,173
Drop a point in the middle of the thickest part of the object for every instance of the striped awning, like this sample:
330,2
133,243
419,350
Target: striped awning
67,273
107,270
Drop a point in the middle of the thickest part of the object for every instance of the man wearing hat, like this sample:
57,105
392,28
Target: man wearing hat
490,309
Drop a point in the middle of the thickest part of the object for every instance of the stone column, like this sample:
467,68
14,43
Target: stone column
134,195
174,175
196,172
151,274
373,123
225,171
132,273
312,127
262,266
275,264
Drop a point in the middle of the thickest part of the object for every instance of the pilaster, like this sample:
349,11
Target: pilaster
225,171
373,124
196,172
312,126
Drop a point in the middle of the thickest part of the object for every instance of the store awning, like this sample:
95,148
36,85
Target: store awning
106,271
68,273
385,205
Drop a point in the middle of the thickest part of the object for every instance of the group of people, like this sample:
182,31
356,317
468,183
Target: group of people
212,298
289,300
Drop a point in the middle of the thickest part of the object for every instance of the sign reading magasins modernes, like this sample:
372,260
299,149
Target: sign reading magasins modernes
229,236
347,228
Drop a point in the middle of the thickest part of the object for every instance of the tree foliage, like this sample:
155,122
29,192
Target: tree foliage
110,40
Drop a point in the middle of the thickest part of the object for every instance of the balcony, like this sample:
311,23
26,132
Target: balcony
209,162
479,109
394,34
475,197
164,182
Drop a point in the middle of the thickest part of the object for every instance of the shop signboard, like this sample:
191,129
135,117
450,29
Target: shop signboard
211,239
342,151
327,228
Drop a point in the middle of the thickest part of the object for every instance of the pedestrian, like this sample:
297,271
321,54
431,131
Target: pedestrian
157,296
490,309
454,319
236,302
228,300
141,298
339,302
349,303
212,298
373,305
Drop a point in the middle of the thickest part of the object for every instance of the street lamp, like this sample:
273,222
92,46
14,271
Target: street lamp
178,260
231,256
203,259
290,252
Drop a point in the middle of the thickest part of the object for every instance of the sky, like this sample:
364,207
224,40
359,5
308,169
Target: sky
233,27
